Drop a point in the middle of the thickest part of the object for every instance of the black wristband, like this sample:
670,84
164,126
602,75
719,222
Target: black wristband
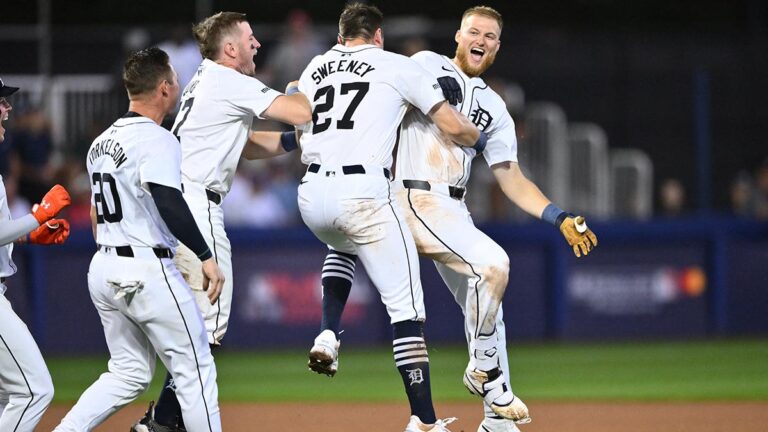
561,217
481,142
288,141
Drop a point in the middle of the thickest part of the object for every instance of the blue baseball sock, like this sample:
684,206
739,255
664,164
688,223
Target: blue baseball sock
167,409
412,362
337,276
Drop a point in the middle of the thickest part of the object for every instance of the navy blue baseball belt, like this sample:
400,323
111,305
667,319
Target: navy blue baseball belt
127,251
453,191
348,169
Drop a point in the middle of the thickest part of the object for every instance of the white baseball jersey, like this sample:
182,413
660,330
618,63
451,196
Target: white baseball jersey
362,94
7,267
217,109
133,152
425,154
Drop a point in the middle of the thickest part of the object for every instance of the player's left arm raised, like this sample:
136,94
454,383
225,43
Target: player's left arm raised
526,195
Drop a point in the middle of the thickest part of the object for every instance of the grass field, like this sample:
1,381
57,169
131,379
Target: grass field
722,370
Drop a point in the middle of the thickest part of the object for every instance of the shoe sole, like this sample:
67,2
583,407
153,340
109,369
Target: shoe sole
321,362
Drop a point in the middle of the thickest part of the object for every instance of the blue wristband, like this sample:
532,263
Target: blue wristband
553,214
292,90
482,141
288,141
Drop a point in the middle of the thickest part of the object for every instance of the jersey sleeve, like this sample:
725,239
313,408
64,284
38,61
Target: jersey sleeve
417,85
502,140
161,165
247,95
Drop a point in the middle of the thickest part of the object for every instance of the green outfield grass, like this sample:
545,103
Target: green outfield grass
705,370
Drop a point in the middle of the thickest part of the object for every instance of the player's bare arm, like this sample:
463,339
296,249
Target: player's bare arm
292,108
267,144
526,195
454,124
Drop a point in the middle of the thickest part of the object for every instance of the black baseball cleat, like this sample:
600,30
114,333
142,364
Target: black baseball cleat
148,423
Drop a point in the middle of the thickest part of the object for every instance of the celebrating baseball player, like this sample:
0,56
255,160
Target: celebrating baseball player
217,110
360,94
26,388
433,173
138,213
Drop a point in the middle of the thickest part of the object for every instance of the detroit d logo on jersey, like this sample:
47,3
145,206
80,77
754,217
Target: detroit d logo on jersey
481,118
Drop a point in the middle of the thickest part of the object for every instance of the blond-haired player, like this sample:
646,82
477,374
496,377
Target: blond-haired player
433,173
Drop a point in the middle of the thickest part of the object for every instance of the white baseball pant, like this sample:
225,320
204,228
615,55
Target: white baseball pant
147,310
26,388
210,220
355,213
473,266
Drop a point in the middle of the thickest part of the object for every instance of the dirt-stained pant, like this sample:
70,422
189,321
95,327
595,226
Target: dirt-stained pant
357,214
473,266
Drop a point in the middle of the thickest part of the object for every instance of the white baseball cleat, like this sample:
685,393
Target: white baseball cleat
497,395
324,355
415,425
497,425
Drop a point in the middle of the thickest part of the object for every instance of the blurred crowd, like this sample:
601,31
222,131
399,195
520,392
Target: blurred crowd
264,192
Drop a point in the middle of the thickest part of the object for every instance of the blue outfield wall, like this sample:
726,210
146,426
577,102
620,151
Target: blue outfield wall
692,277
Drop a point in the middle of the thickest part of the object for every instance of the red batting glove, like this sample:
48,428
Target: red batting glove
56,199
55,231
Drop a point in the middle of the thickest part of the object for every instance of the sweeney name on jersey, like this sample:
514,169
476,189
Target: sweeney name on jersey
356,67
108,147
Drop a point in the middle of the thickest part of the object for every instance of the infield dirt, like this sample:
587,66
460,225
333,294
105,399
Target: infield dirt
547,416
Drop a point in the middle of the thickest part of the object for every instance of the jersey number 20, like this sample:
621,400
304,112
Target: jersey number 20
103,214
346,122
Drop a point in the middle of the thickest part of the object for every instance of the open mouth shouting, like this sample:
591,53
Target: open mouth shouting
476,54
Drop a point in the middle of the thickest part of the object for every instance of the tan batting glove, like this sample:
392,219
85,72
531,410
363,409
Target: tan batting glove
576,233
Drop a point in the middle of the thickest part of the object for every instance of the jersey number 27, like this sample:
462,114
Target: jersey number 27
346,122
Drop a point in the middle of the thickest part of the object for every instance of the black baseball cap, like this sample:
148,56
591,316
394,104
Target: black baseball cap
5,90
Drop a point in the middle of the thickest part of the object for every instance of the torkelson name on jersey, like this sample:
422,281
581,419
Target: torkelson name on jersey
108,147
345,65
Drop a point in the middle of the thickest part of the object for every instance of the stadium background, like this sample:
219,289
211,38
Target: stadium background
647,117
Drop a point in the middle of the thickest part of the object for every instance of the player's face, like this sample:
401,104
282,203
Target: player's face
478,42
5,108
173,90
248,46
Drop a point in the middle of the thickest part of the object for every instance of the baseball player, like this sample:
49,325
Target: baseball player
26,388
217,109
138,213
433,173
360,94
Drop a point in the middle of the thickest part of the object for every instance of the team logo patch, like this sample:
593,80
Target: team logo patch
415,375
435,86
480,117
265,89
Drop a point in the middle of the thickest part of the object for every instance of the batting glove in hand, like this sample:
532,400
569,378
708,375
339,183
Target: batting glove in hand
53,232
451,90
576,233
56,199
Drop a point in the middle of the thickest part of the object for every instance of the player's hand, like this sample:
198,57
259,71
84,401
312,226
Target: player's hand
292,85
56,199
451,90
576,233
53,232
213,279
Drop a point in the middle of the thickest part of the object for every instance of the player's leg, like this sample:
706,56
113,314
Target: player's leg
25,385
180,339
209,218
388,253
336,278
476,271
132,358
